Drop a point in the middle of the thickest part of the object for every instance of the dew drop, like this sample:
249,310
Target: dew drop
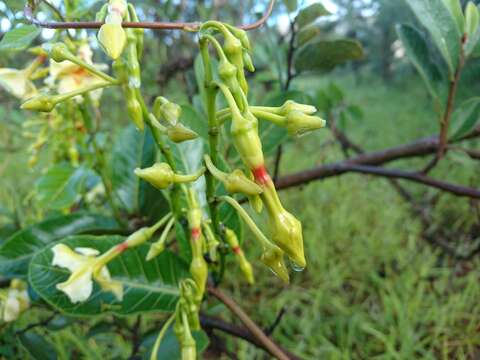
296,267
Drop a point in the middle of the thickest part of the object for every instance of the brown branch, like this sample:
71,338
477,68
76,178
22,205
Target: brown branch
266,342
445,122
237,331
188,26
369,163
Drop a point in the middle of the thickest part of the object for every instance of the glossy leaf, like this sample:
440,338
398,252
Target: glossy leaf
417,51
439,21
192,119
472,27
465,118
455,8
16,252
324,55
19,38
310,14
148,286
60,187
169,347
308,33
37,347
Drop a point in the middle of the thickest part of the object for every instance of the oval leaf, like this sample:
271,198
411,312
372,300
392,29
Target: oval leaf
148,286
417,51
465,118
310,14
19,38
17,251
440,23
324,55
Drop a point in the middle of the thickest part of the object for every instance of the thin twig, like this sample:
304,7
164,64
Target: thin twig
269,331
188,26
445,122
268,343
236,331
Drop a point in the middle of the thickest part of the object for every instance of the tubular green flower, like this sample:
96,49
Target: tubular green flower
161,175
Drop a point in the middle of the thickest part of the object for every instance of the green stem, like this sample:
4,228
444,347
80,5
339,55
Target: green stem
156,346
213,131
87,89
260,112
248,220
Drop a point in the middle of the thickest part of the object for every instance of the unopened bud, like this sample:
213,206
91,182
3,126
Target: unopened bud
273,258
42,103
298,123
179,133
112,38
291,105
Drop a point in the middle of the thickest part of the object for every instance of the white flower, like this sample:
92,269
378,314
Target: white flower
17,83
84,264
15,300
72,77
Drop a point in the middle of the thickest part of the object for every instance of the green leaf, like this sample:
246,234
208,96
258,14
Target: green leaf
291,5
271,134
149,286
60,187
455,8
324,55
36,346
193,120
472,27
17,251
465,119
310,14
440,23
416,49
19,38
169,347
307,33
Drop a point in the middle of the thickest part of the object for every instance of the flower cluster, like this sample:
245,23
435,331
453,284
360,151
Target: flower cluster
77,78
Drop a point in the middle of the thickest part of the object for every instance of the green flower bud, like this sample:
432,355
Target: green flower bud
60,52
134,108
273,258
161,175
43,103
298,123
247,59
244,264
241,35
291,105
166,110
235,182
199,272
246,140
189,349
179,133
155,250
233,49
286,230
112,38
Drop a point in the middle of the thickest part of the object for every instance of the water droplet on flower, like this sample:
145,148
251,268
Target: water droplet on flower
296,267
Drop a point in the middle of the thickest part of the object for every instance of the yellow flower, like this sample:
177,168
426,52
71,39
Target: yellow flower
17,83
84,265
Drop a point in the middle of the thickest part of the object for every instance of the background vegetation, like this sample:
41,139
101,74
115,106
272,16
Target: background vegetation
376,286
